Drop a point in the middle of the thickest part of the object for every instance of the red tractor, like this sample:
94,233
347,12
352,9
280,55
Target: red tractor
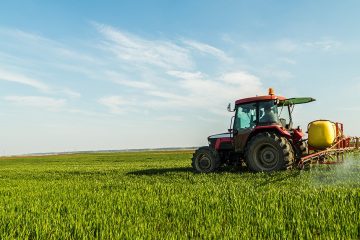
261,135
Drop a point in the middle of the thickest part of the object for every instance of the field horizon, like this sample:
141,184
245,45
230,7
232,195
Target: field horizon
34,154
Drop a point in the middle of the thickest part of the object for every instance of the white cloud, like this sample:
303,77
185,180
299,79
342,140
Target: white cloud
71,93
177,83
116,104
122,80
221,86
282,46
41,63
134,84
37,101
51,46
171,118
167,95
195,90
277,74
9,76
186,75
282,75
20,78
71,54
205,48
226,87
287,45
287,60
325,45
290,46
159,73
206,119
227,39
26,36
131,48
241,78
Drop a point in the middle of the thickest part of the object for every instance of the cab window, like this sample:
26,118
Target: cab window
268,112
245,117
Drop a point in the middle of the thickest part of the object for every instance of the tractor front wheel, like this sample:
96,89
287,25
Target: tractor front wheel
268,152
205,160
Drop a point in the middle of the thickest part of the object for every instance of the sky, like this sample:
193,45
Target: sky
108,75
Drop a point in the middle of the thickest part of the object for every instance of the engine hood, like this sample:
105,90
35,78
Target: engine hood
219,135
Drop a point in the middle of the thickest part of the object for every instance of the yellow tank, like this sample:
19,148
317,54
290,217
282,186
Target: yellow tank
322,134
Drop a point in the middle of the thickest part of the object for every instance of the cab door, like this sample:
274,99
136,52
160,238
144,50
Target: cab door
244,123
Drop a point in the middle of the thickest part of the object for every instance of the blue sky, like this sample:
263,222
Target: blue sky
89,75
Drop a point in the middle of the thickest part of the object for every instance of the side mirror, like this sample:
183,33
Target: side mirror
229,108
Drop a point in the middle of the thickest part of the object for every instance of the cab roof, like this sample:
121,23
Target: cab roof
259,98
282,100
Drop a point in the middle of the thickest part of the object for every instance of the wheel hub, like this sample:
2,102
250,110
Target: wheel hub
204,162
268,156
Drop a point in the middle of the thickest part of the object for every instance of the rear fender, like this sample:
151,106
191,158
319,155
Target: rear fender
274,128
298,135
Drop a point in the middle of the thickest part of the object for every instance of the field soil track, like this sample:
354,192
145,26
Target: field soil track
157,195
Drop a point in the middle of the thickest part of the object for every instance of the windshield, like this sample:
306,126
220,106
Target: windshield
268,112
284,115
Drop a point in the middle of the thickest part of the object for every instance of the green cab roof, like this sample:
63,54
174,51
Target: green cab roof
293,101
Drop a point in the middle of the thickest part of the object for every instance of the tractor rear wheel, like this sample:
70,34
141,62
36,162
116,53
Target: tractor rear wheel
268,152
205,160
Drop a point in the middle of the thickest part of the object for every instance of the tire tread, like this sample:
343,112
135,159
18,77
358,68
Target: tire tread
283,143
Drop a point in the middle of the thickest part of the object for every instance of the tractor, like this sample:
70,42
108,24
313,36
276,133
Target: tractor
261,136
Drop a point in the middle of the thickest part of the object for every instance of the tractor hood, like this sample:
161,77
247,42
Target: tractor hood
222,141
220,135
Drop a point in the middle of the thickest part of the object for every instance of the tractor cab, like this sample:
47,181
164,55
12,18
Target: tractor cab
250,115
261,133
265,113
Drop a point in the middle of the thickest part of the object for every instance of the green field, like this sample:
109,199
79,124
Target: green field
155,195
